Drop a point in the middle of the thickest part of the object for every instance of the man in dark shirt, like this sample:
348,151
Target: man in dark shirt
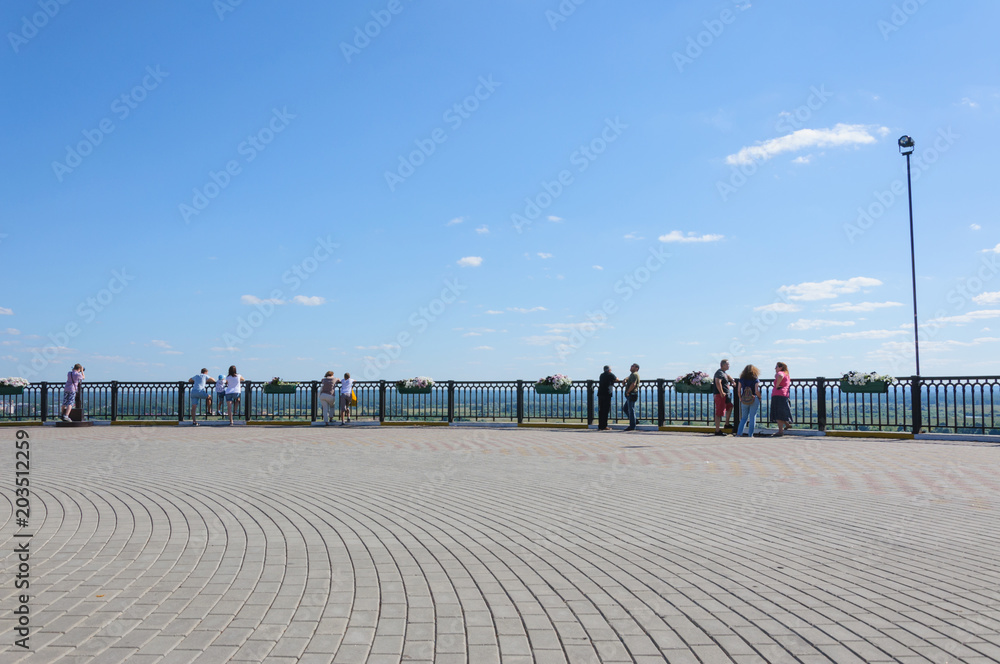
605,390
723,402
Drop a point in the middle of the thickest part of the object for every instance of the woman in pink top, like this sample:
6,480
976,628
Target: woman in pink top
781,410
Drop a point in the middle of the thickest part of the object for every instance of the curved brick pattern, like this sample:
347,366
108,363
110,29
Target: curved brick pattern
505,545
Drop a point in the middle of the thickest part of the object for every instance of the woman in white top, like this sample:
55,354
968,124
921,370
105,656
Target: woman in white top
234,386
346,389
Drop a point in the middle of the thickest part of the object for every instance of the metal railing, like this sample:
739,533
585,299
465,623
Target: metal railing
956,404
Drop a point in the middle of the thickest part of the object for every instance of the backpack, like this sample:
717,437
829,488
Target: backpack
747,394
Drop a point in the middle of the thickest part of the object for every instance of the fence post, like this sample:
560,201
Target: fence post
916,403
381,401
821,403
180,401
43,401
114,401
661,401
590,402
314,400
520,401
247,403
451,401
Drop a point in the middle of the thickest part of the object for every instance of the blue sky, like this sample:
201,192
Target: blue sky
496,190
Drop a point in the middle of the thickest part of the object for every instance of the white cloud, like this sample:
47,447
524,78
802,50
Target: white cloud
542,254
4,311
677,236
633,236
555,219
379,347
805,159
493,312
483,230
470,261
867,334
803,139
224,349
521,310
797,342
543,340
159,343
987,298
803,324
982,314
253,299
472,334
968,102
597,267
171,352
831,288
483,348
975,227
994,250
863,306
11,330
455,221
310,301
779,308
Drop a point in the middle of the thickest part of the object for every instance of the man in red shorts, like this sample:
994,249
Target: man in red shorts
722,385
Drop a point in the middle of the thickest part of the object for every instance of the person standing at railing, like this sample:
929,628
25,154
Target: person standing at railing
73,379
748,387
220,395
234,387
328,397
722,385
631,397
781,409
605,390
199,392
346,392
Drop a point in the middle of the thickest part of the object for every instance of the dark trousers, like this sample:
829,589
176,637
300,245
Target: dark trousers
603,410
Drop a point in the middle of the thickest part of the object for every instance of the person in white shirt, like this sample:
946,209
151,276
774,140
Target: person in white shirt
346,389
234,387
199,392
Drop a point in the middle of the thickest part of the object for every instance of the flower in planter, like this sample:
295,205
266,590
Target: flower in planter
557,381
418,382
277,381
13,381
858,378
695,378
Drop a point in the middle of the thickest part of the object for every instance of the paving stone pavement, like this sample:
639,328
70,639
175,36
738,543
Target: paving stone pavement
378,544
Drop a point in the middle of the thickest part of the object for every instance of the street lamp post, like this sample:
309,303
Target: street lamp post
906,149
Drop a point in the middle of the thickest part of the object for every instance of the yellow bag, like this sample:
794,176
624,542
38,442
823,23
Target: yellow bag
354,398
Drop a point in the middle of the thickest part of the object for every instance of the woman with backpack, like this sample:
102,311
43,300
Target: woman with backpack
748,387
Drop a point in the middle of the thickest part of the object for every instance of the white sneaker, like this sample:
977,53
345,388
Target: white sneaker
65,418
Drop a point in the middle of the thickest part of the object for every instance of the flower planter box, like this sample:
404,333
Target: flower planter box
413,390
874,387
11,390
281,388
543,388
687,388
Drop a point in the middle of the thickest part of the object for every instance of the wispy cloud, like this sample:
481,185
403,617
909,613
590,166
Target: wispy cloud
470,261
803,324
542,254
4,311
633,236
987,298
253,299
597,267
863,306
483,230
975,227
677,236
994,250
797,342
867,334
493,312
483,348
309,301
159,343
829,289
555,219
455,221
804,139
11,330
970,317
520,310
779,308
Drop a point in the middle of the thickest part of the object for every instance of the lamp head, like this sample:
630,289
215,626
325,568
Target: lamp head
905,145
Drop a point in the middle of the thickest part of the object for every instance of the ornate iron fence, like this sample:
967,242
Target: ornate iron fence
956,404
